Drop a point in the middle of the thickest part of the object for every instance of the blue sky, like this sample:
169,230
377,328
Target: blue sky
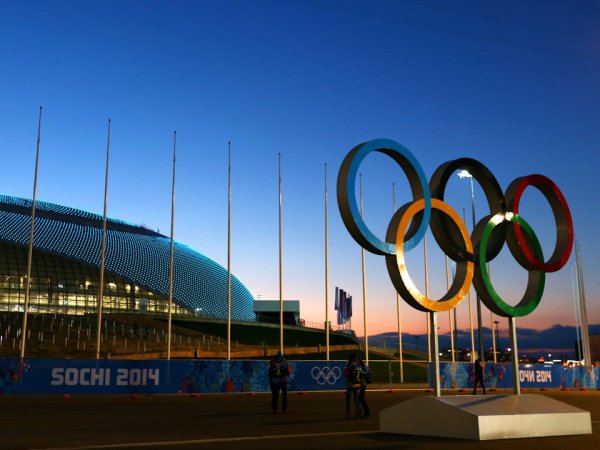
513,85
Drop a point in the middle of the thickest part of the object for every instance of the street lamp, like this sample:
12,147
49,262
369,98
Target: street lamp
466,174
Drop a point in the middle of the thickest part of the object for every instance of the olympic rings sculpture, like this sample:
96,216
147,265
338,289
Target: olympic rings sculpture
470,252
326,374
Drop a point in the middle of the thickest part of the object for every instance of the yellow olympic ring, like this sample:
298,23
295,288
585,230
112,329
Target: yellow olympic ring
396,264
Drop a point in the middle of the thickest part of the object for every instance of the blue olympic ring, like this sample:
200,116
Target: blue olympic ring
346,191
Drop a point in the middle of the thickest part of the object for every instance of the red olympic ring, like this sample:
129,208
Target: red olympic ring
564,222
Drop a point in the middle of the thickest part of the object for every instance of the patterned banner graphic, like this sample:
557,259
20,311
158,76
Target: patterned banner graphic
460,376
86,376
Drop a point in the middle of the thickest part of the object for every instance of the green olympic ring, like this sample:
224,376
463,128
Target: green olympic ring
481,279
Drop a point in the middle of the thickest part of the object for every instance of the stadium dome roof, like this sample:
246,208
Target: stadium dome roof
133,253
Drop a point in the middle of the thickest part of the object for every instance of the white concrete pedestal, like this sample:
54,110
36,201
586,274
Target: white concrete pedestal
483,417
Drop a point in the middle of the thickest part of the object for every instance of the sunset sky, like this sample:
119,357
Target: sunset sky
515,85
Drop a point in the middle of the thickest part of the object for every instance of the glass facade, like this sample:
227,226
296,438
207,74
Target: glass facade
62,286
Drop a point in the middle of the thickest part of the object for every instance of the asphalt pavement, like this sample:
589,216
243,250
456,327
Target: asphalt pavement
241,421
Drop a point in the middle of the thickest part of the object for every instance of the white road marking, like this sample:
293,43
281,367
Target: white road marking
206,441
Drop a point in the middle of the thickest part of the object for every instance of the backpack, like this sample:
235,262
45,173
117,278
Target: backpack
355,374
368,376
280,369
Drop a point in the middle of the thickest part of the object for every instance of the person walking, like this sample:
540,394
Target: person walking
478,372
353,375
279,372
365,379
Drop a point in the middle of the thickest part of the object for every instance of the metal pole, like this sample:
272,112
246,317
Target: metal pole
493,337
429,331
364,282
172,248
577,312
326,272
512,329
585,334
103,250
471,326
450,318
470,312
30,252
280,269
229,251
498,346
455,318
454,310
436,352
489,269
400,357
481,354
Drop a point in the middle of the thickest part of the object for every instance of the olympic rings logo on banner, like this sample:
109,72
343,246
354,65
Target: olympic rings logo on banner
470,252
326,375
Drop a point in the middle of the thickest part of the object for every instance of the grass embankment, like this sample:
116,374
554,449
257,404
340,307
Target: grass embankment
252,333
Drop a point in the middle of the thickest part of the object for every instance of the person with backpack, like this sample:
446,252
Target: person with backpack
279,372
353,375
478,376
366,378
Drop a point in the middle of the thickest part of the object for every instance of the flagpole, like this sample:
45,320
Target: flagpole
585,334
103,249
492,321
470,312
512,331
577,313
427,295
280,269
172,249
30,253
326,273
398,303
229,251
436,352
364,282
450,313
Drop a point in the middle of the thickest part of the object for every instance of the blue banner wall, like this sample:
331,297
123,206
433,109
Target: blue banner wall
460,376
84,376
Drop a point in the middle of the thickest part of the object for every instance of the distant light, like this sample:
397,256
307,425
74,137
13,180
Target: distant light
464,174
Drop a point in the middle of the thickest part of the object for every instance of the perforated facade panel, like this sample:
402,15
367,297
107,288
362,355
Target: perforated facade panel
135,254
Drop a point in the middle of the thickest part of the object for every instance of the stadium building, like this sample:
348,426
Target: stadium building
65,269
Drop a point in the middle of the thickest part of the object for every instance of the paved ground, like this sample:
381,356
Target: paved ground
314,420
